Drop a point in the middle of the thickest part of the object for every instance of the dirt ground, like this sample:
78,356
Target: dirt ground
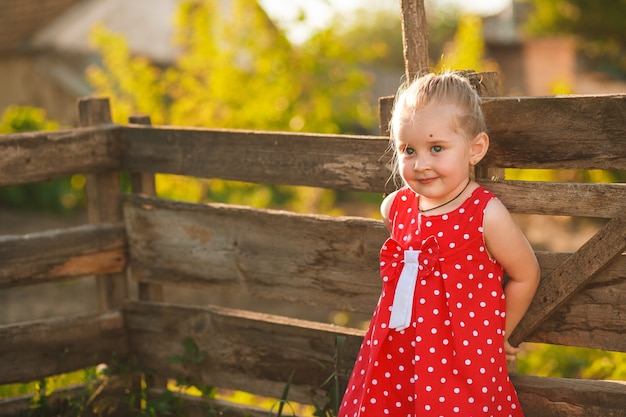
79,296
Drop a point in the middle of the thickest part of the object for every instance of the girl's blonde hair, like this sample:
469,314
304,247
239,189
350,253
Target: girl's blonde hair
445,88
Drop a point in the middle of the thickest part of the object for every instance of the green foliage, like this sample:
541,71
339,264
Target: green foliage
598,25
333,389
25,119
58,195
236,70
571,362
467,50
280,404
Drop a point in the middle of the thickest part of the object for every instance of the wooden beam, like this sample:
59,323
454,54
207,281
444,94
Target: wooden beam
241,350
414,38
600,200
256,353
580,131
145,184
103,201
321,261
331,161
58,255
595,317
564,132
41,156
550,397
35,350
572,275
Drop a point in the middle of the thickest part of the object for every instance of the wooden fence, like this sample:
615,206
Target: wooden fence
320,262
316,262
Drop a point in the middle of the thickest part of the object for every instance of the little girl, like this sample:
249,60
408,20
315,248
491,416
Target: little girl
437,343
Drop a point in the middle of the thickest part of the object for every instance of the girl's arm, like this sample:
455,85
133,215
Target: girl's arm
385,207
507,244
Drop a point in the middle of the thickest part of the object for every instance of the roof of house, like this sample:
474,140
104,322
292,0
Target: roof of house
19,20
147,26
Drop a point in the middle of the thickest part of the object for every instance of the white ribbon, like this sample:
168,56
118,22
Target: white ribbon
403,299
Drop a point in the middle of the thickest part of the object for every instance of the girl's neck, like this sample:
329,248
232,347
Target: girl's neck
447,203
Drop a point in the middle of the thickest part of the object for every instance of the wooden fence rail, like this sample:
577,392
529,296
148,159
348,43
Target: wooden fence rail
316,262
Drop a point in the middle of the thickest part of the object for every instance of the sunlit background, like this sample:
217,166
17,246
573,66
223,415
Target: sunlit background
297,65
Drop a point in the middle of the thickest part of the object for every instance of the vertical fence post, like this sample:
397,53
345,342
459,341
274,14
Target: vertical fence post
144,183
414,38
103,202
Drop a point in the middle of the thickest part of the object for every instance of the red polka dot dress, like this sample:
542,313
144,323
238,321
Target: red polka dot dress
435,345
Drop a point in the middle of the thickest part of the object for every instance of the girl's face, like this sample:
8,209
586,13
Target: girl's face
434,156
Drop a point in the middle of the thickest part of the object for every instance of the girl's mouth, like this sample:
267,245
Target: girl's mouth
425,181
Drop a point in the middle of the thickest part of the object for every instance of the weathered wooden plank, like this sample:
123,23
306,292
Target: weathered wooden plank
595,317
329,161
561,132
561,397
145,183
256,353
414,38
559,199
227,249
62,254
316,260
103,201
573,274
40,156
242,350
578,132
34,350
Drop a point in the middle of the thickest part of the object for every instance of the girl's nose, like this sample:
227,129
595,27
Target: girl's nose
421,163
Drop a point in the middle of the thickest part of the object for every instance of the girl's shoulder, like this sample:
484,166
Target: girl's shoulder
391,202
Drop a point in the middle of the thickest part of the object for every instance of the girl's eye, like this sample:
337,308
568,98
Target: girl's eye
436,149
409,151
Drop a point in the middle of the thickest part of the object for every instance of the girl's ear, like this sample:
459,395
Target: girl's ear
478,148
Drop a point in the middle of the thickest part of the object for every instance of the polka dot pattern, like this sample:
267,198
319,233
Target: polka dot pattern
450,361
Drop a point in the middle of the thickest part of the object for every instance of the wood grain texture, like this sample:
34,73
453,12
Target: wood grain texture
315,260
256,353
103,201
324,262
414,38
62,254
563,132
561,397
34,350
40,156
595,317
145,183
571,276
559,199
247,351
330,161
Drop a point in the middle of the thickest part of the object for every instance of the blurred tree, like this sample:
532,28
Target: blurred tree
571,362
237,70
58,195
378,30
599,26
466,51
232,56
25,119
